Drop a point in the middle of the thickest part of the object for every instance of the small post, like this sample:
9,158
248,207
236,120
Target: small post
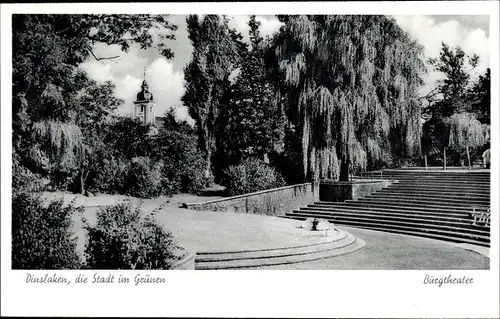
444,158
425,159
468,157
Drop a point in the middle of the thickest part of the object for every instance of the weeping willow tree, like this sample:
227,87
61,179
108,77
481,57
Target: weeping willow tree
467,132
351,83
56,141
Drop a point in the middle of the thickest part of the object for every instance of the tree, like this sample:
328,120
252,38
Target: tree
351,83
452,97
47,50
216,53
97,103
453,89
128,138
177,146
467,132
253,127
480,95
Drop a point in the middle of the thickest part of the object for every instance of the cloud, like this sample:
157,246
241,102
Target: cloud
166,85
430,34
127,72
166,79
268,25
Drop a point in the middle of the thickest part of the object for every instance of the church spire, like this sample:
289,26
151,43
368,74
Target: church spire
144,83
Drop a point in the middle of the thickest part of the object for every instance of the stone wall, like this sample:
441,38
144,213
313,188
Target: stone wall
334,191
274,202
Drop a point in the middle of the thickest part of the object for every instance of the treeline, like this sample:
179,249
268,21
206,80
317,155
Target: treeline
64,128
323,97
328,96
457,112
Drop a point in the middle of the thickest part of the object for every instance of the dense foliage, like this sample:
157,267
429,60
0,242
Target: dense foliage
126,238
457,114
216,54
42,235
54,102
184,162
253,118
250,176
351,88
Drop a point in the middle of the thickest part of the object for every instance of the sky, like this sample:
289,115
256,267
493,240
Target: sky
166,78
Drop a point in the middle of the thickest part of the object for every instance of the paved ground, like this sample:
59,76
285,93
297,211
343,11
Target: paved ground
205,231
216,231
385,251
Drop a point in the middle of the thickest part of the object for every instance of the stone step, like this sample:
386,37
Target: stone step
440,173
339,242
414,229
419,198
436,193
397,220
439,183
460,216
419,204
350,244
414,206
450,192
426,188
400,208
433,176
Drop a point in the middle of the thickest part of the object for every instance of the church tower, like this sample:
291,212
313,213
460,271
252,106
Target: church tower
144,106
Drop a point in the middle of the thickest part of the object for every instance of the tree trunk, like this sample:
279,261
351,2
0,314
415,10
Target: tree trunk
208,164
444,158
82,183
468,157
344,169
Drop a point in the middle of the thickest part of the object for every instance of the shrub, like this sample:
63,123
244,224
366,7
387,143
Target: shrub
124,238
24,180
41,235
184,169
110,176
251,176
144,178
192,174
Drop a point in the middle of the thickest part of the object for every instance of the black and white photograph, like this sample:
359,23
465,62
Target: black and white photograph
140,143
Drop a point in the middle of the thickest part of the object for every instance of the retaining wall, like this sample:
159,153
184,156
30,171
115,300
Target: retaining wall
274,202
334,191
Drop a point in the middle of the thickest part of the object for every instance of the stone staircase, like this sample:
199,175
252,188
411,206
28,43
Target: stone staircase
433,204
338,244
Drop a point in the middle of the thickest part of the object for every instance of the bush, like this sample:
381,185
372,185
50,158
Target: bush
192,174
41,235
110,177
144,178
24,180
251,176
124,238
184,169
